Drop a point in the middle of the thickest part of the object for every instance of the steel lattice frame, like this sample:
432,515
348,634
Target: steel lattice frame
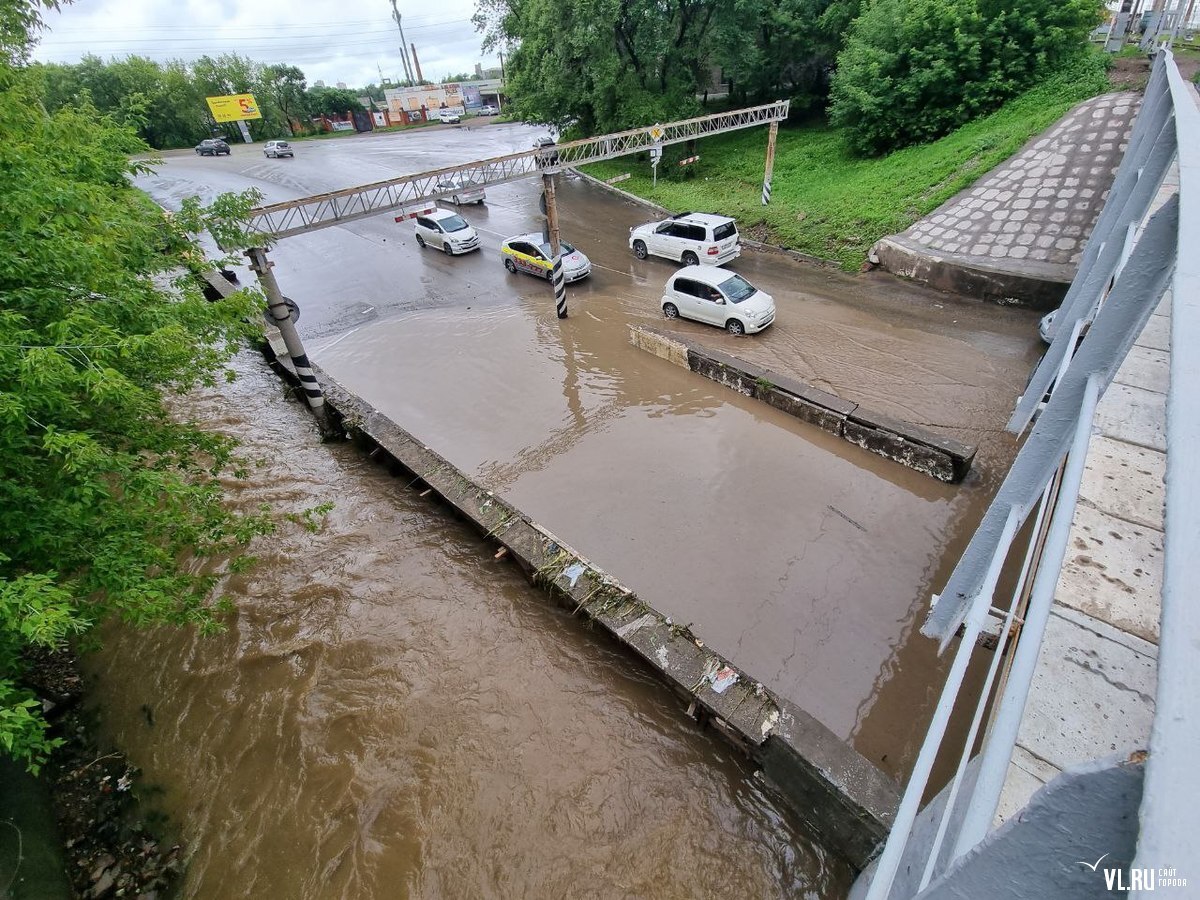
280,220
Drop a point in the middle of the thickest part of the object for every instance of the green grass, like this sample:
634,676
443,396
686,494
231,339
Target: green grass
826,202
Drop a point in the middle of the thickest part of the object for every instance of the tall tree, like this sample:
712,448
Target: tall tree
106,502
601,65
286,86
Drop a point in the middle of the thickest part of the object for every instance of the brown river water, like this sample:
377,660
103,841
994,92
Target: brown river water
393,713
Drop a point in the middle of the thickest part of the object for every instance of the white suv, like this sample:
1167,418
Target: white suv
692,238
446,230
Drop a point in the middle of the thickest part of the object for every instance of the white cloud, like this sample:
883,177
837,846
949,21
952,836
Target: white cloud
330,40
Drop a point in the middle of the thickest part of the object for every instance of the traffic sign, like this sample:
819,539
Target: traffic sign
657,133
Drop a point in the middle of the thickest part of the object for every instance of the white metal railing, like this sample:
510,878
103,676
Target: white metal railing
279,220
1127,266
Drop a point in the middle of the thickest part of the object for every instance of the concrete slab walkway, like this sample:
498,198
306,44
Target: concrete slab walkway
1018,233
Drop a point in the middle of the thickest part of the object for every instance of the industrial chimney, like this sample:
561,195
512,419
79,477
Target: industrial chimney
417,63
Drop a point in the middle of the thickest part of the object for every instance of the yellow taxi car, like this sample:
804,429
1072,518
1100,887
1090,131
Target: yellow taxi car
531,254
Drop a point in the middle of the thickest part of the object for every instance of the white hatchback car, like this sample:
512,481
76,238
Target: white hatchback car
447,231
718,297
692,238
464,191
276,149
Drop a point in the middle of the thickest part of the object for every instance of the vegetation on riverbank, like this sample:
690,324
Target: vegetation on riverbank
829,203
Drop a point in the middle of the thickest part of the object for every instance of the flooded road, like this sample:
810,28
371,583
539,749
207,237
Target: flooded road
393,713
807,561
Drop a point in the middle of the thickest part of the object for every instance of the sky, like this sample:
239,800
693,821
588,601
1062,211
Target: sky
330,40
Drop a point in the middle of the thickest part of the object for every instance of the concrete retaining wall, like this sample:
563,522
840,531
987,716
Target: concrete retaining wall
1041,289
843,797
911,445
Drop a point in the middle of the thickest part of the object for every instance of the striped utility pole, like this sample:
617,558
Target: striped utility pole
556,270
771,134
282,317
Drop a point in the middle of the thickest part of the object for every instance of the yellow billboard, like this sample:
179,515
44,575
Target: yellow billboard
234,107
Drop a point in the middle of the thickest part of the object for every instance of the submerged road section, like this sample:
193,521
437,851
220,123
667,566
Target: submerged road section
807,561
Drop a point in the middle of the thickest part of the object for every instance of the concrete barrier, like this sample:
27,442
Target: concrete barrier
911,445
843,797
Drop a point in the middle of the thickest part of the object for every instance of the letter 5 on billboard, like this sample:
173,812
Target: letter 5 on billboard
234,107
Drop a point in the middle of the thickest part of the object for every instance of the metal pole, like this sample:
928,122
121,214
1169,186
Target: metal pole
282,317
556,270
408,75
771,135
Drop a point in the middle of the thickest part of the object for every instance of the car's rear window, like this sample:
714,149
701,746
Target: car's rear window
721,232
281,143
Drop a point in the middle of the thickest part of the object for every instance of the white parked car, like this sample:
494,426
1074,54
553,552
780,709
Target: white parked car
446,230
464,191
275,149
692,238
488,110
448,117
719,297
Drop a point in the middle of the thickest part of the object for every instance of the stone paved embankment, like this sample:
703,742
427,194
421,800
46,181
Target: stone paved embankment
1018,233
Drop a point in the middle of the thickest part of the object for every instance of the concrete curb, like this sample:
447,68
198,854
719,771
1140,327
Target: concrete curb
947,273
753,244
842,796
910,445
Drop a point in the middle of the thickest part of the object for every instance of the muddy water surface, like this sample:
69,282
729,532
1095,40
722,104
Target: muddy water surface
392,713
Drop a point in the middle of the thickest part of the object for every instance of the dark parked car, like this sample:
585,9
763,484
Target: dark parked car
212,147
549,154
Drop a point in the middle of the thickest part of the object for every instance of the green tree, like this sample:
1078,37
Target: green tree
601,65
914,70
286,86
108,506
327,101
771,49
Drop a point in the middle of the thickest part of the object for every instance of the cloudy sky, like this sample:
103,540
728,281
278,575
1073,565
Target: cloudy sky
330,40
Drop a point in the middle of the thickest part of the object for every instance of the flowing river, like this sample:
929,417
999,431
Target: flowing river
391,712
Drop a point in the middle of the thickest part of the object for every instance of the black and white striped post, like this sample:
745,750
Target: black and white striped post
557,279
281,316
771,134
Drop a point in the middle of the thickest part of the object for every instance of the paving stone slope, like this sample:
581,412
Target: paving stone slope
1019,232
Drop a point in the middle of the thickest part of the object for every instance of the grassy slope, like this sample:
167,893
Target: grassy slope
830,204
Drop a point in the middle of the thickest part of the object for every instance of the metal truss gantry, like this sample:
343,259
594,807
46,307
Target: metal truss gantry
280,220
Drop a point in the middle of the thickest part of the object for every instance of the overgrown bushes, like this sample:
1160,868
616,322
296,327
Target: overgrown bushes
913,70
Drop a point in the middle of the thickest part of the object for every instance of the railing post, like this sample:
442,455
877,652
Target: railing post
772,133
556,270
282,317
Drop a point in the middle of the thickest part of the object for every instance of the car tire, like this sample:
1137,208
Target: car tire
639,249
735,327
690,259
420,242
454,199
670,310
447,249
479,202
511,266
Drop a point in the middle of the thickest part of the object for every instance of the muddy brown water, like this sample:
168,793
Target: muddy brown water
393,713
808,562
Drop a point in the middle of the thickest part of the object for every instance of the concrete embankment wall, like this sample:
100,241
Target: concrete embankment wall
846,800
910,445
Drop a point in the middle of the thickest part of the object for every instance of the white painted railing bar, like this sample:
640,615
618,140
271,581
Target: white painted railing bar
1002,737
1170,814
985,691
893,850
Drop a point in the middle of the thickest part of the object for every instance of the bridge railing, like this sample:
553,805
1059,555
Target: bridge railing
1140,248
